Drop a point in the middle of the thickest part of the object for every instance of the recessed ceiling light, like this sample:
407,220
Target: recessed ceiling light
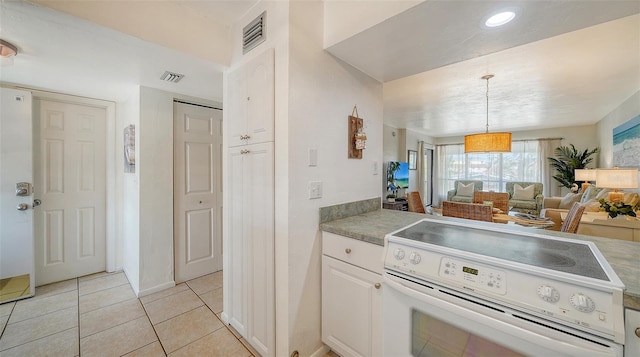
500,19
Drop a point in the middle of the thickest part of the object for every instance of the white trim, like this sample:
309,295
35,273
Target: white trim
321,351
110,108
156,288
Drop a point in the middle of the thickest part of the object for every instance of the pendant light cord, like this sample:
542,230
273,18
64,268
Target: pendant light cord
487,77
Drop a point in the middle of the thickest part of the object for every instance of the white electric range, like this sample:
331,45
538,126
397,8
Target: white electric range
522,291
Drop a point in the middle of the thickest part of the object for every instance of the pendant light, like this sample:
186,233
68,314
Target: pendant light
487,142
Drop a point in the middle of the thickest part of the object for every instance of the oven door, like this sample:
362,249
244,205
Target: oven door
421,319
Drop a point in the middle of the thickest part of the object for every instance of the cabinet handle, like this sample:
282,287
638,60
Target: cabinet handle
377,285
242,152
638,331
247,137
348,250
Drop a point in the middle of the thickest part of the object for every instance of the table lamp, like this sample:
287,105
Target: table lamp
585,175
617,178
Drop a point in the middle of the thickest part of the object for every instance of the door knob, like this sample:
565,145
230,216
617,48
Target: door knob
638,331
22,207
377,285
36,203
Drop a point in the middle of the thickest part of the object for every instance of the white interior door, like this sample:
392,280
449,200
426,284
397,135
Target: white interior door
197,191
16,226
70,176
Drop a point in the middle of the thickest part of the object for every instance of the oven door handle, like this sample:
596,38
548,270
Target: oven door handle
502,324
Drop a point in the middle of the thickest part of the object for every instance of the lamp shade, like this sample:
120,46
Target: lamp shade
585,175
617,178
487,142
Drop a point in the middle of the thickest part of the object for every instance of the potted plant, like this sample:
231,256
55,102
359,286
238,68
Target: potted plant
567,160
616,209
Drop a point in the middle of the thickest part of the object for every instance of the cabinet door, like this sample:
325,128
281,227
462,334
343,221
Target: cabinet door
351,309
260,98
236,107
235,244
259,233
632,340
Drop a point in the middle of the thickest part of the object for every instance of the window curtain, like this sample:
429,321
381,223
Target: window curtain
450,165
420,167
545,149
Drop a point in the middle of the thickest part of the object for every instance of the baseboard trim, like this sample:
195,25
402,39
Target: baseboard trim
156,288
321,351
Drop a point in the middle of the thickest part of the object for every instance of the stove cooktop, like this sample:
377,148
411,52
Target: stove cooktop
559,255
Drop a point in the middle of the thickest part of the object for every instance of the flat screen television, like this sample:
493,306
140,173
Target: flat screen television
397,175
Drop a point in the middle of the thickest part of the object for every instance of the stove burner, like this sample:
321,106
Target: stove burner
543,259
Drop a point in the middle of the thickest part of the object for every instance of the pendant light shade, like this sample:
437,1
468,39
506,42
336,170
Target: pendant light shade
487,142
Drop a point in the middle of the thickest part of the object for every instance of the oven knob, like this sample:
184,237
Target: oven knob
399,254
582,302
548,293
415,258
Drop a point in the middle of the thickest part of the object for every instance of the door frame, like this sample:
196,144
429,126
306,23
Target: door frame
112,256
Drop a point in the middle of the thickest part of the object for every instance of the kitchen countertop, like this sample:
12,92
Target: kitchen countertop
371,227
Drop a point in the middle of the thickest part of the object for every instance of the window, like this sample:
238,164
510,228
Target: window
523,163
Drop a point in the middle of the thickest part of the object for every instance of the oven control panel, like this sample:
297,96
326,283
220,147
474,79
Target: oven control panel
473,275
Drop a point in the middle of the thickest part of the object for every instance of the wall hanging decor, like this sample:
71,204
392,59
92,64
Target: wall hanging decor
357,137
130,149
626,143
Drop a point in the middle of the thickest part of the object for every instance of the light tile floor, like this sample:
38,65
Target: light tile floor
99,315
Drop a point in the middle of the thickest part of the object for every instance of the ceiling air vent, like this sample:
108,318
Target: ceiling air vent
171,77
254,33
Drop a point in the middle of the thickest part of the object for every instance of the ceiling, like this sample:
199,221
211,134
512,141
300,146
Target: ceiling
558,64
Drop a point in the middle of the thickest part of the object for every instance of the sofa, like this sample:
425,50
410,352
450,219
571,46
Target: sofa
463,190
553,207
525,197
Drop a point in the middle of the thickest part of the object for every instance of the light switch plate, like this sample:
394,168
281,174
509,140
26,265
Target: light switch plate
315,189
313,157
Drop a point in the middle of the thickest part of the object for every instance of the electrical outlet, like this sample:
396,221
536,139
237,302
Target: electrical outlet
315,189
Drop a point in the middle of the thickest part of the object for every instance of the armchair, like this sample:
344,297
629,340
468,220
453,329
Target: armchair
521,199
465,195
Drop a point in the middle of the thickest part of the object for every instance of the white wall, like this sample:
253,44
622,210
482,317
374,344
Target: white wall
154,168
627,110
127,195
345,18
322,93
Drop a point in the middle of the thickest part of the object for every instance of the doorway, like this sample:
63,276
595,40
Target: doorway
197,192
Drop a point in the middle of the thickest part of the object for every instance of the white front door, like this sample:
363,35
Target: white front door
197,191
70,176
16,213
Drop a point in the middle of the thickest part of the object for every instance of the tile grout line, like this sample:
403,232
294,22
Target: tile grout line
8,318
37,339
78,290
153,327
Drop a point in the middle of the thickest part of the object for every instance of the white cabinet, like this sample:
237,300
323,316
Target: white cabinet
632,333
351,296
250,245
250,105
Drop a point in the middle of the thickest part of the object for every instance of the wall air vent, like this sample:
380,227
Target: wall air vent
171,77
254,33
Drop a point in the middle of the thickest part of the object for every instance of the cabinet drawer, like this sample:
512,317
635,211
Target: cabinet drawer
353,251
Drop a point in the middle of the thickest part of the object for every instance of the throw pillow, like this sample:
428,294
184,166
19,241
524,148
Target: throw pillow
520,193
465,190
568,200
